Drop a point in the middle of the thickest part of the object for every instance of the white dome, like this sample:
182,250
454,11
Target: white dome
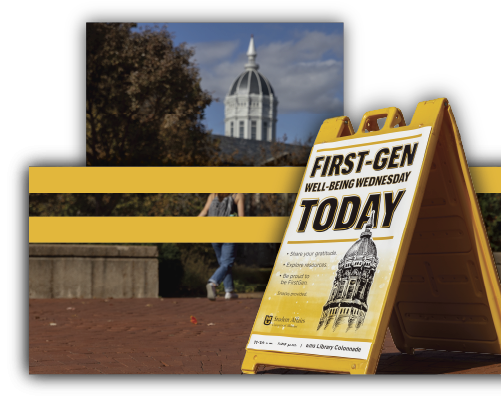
251,104
251,82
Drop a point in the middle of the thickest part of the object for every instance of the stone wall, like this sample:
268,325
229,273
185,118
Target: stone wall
92,271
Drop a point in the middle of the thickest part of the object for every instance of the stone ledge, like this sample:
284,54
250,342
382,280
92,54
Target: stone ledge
76,277
92,271
93,251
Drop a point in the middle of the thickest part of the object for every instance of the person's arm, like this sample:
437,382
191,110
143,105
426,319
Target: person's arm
207,206
239,201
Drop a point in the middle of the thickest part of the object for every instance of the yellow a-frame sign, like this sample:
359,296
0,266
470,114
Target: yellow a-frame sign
386,231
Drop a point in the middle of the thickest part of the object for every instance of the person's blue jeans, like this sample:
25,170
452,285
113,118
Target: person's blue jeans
225,254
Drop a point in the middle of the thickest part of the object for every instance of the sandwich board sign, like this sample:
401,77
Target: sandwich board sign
385,232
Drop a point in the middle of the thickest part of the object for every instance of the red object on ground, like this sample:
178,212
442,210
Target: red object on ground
193,320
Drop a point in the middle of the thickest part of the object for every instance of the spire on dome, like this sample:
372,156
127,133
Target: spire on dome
251,54
252,50
370,224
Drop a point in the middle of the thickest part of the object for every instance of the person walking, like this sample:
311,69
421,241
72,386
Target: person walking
219,205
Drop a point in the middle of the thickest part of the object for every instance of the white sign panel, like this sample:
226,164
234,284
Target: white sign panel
338,255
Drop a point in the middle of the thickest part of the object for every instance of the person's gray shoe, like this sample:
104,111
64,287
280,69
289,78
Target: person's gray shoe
211,291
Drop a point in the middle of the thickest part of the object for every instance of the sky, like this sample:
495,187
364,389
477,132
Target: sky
302,61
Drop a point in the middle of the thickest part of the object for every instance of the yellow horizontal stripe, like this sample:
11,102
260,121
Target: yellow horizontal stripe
371,143
165,179
195,179
156,229
486,179
336,240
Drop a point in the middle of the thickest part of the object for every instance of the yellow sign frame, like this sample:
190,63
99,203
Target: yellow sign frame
446,298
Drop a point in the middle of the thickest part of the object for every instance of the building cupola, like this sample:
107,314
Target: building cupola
251,103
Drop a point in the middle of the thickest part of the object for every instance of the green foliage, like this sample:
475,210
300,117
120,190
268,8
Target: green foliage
53,205
199,262
490,206
185,268
124,205
144,100
169,252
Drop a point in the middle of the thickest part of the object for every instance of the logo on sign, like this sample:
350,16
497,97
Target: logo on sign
268,319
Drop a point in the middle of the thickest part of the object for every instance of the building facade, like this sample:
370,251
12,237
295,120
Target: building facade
251,105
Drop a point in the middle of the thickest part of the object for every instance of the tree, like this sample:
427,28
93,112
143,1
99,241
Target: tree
144,107
144,100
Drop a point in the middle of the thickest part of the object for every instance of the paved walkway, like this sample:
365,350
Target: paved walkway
156,336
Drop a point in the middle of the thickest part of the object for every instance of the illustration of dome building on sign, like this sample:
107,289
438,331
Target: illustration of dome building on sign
347,302
251,105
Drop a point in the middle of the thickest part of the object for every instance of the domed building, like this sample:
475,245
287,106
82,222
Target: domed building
347,302
251,105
